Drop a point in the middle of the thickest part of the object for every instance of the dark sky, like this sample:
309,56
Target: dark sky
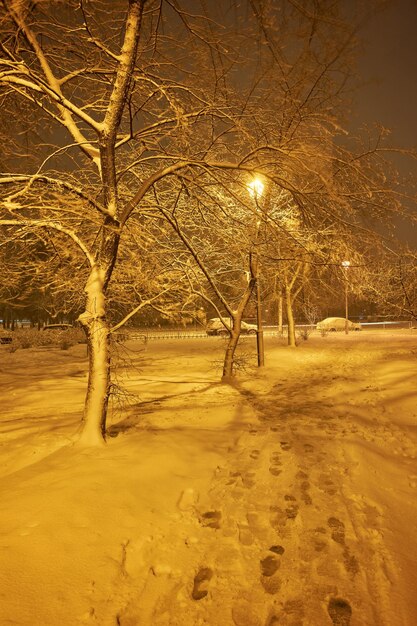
388,65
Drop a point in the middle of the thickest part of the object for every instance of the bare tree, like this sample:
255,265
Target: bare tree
389,281
216,228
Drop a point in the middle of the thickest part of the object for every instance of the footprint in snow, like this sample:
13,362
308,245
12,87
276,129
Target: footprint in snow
338,530
201,580
340,611
211,519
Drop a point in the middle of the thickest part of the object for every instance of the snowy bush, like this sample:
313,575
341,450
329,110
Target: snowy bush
304,333
33,338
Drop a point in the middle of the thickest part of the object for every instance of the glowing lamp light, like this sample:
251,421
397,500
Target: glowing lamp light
256,188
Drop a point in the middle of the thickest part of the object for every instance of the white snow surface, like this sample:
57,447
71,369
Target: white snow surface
288,499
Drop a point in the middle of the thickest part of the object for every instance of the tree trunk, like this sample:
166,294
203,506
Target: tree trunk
290,318
229,356
280,312
93,426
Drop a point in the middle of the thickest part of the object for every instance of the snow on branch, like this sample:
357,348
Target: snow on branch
54,226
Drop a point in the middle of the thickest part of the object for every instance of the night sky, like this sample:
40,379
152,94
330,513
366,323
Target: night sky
388,96
389,67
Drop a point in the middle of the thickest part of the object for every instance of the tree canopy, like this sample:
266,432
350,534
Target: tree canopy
131,130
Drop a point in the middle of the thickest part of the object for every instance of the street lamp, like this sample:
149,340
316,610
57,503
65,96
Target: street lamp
255,189
346,265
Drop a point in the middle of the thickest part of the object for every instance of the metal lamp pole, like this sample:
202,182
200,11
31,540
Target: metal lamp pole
346,266
255,189
259,331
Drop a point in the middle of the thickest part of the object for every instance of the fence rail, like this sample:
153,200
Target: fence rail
269,331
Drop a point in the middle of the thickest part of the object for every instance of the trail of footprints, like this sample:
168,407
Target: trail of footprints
294,568
298,544
283,548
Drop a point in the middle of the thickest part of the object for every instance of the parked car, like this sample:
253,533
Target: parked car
58,327
333,324
215,327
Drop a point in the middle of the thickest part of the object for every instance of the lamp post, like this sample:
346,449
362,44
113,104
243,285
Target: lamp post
255,189
346,265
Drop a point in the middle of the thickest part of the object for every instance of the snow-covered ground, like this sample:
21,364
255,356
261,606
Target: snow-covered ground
289,499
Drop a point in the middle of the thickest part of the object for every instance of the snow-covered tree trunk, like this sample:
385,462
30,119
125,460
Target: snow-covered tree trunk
93,427
93,320
290,317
